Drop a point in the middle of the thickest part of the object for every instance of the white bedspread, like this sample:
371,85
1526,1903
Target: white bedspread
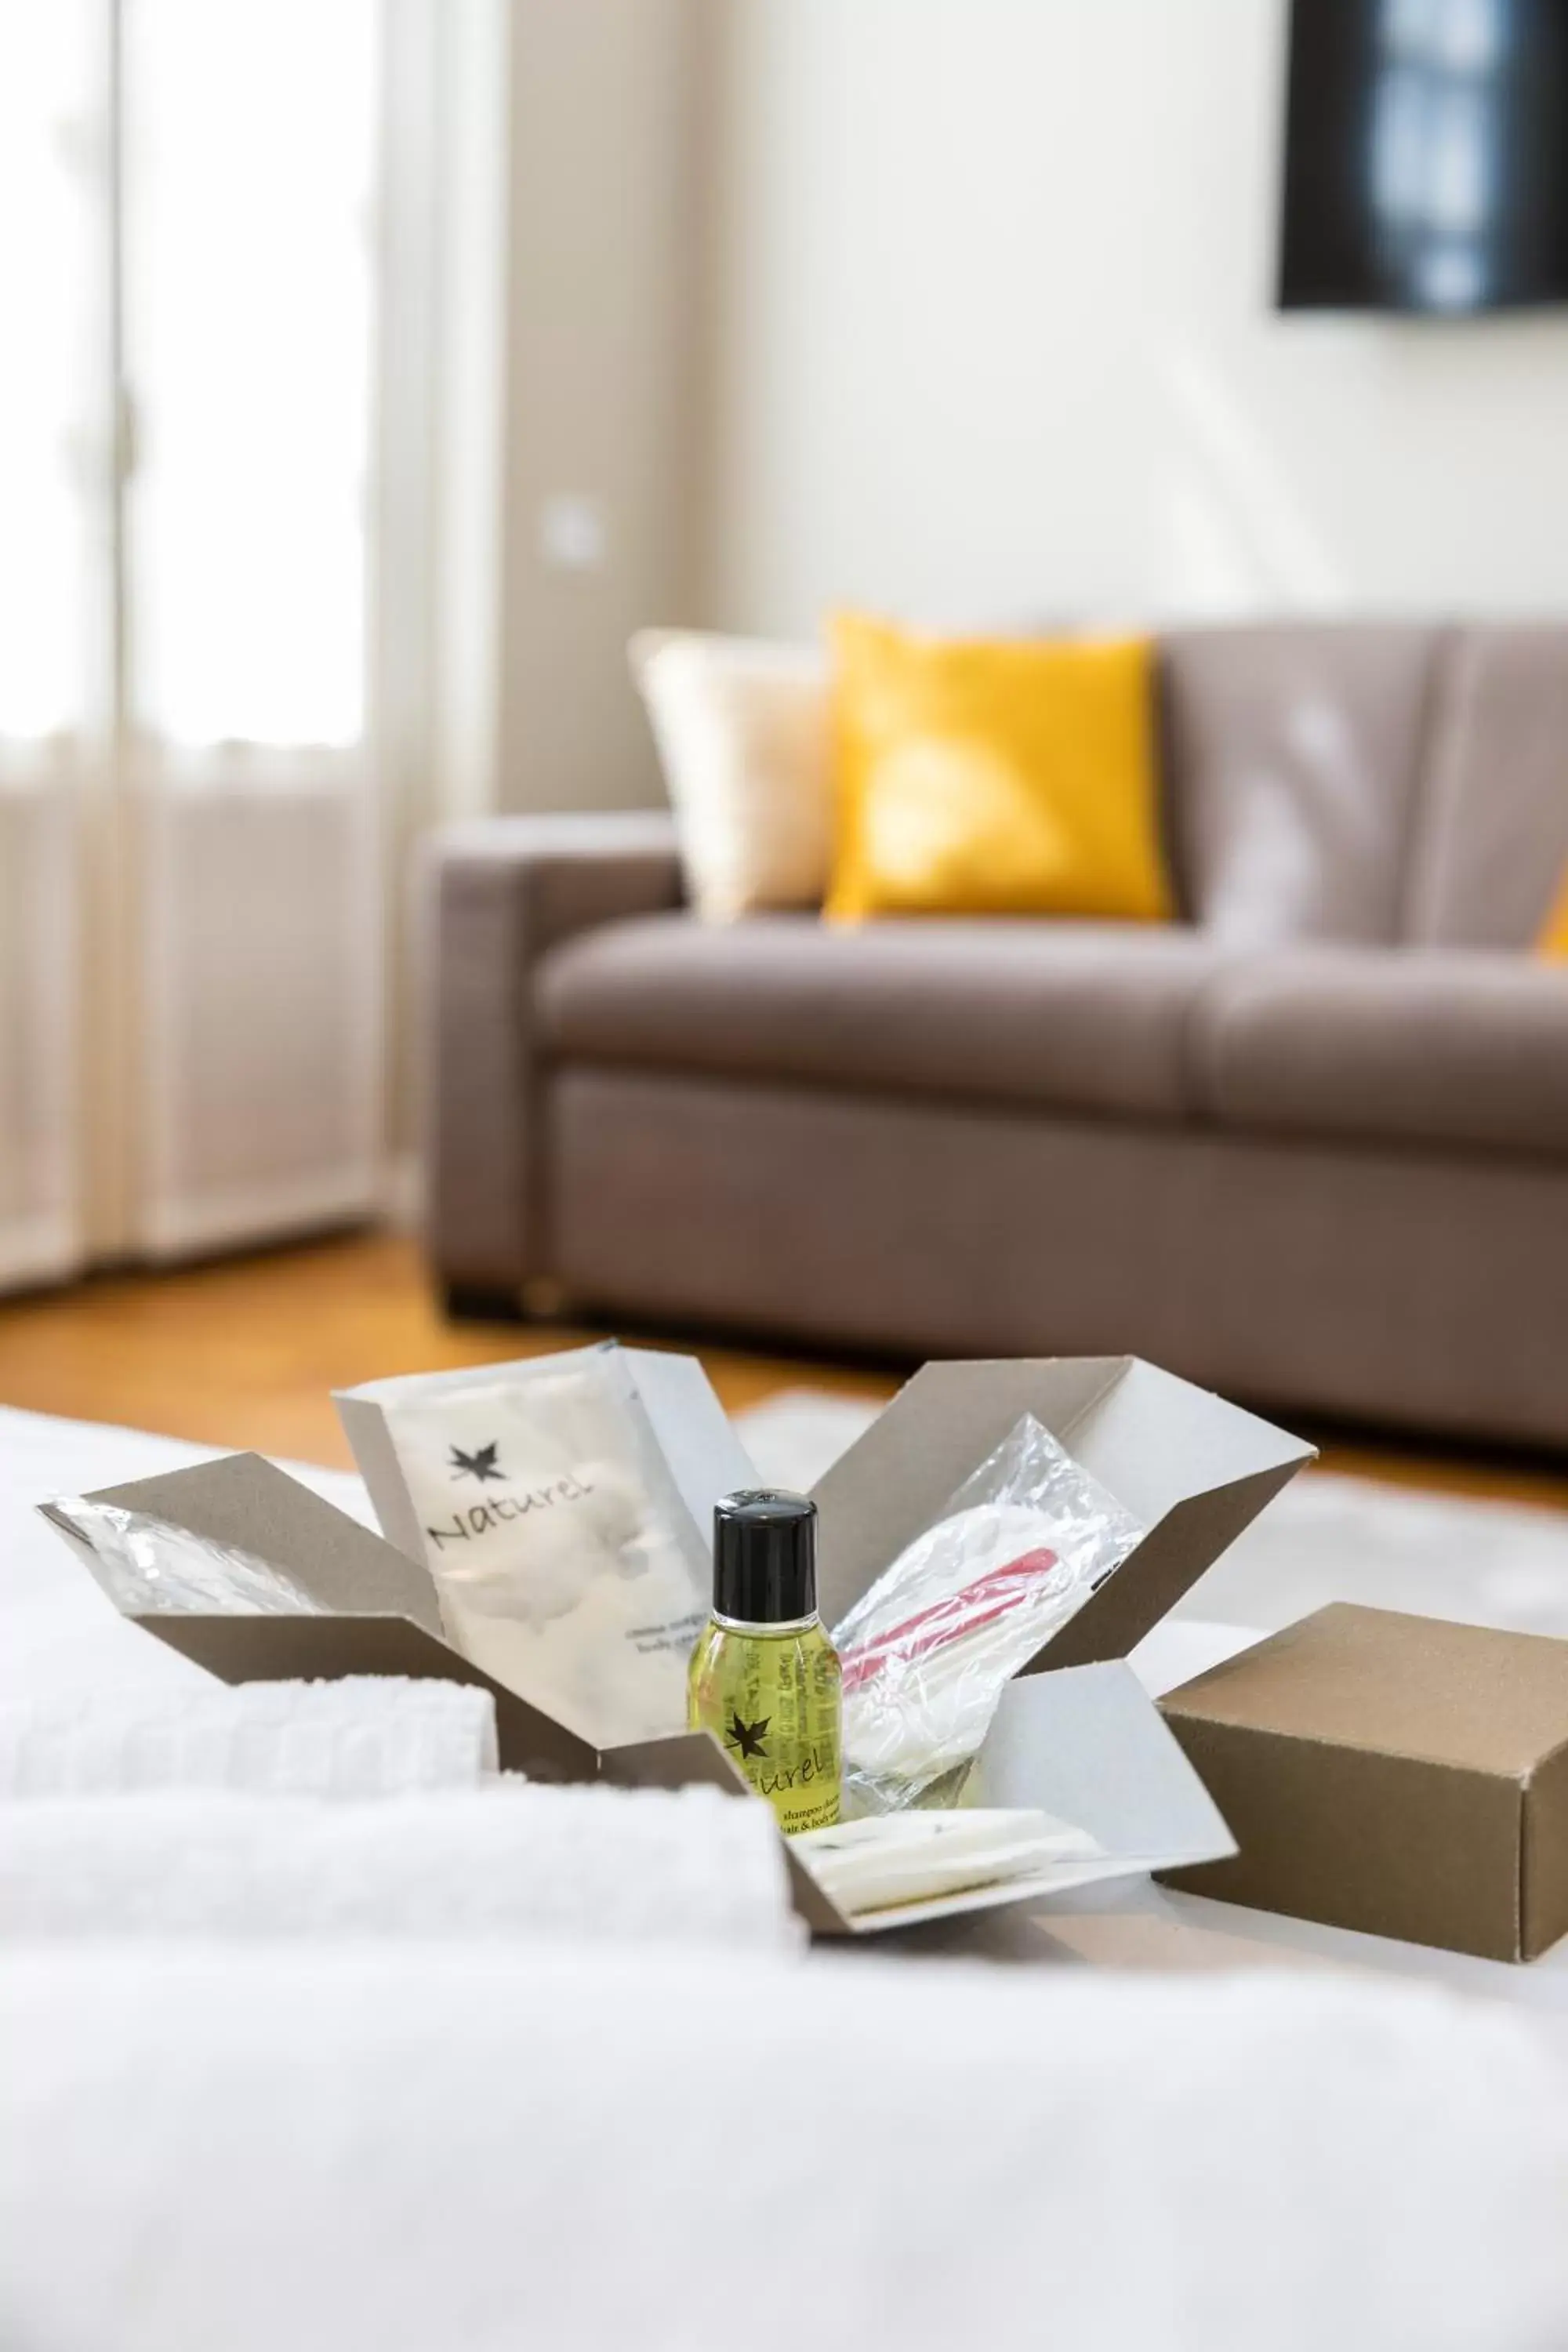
466,2154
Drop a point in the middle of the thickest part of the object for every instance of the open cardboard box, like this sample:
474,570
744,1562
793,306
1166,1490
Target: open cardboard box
1074,1735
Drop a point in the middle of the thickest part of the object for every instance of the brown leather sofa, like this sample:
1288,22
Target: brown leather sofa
1309,1146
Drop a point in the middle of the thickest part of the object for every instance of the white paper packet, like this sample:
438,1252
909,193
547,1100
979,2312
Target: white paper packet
566,1562
918,1857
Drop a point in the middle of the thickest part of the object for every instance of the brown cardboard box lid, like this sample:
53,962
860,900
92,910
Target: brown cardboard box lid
1396,1684
1403,1775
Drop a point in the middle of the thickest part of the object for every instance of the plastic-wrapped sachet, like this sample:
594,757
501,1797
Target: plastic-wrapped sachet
151,1568
928,1649
566,1559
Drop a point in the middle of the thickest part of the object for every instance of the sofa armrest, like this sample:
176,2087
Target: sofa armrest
497,896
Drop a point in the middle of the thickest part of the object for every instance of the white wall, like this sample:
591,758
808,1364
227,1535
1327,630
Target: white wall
992,340
604,380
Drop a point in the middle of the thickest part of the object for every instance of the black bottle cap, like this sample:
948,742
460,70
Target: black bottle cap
764,1557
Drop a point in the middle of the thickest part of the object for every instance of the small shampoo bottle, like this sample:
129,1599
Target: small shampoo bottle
765,1677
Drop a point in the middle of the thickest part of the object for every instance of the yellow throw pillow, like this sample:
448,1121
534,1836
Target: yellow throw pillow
1006,778
1554,940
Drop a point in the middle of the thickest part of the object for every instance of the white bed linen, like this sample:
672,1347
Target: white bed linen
332,2150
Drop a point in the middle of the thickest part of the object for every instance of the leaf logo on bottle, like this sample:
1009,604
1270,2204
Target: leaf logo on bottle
749,1737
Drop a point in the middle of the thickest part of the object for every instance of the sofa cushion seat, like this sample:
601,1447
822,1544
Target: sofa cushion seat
1089,1017
1459,1049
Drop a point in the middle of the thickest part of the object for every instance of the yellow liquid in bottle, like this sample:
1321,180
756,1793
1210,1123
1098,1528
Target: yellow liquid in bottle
770,1696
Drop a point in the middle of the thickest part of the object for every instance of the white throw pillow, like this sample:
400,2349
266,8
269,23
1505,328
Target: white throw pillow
743,735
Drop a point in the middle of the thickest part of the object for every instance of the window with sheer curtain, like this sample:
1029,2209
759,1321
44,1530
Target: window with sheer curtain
187,337
225,217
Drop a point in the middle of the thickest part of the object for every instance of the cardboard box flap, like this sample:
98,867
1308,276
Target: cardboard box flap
365,1426
673,1760
1192,1469
1174,1553
1088,1744
1157,1440
246,1504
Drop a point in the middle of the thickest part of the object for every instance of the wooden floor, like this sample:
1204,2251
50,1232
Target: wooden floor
245,1352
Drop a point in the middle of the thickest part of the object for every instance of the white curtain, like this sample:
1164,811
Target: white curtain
54,618
190,908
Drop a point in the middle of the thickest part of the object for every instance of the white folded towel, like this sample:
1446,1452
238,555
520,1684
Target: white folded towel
511,1859
367,1736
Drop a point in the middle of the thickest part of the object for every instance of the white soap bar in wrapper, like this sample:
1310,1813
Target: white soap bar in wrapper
566,1559
928,1651
920,1857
